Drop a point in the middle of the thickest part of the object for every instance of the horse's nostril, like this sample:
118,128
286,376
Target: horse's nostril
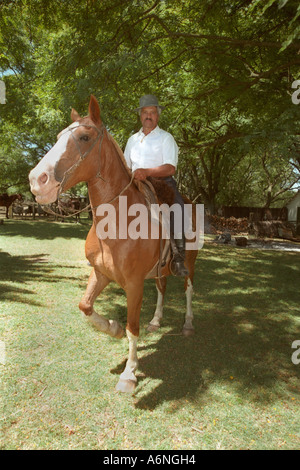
43,178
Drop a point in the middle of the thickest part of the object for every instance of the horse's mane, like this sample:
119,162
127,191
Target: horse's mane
121,154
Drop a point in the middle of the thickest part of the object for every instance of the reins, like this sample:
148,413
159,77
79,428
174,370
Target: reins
118,195
89,207
70,170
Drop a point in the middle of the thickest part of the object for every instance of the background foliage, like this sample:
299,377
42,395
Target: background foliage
223,69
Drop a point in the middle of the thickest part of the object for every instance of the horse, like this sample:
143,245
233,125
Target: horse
85,151
6,200
65,209
72,206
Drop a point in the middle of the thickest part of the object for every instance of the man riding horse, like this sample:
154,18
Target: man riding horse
86,152
153,152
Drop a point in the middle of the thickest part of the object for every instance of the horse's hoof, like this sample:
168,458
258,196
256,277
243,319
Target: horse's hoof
115,329
152,328
188,332
126,386
120,333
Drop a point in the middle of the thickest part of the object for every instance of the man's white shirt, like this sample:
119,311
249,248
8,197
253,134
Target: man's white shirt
152,150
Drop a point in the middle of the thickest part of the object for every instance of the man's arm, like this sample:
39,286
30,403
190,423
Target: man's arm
159,171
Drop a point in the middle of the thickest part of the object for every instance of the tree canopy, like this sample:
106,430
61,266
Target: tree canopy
224,70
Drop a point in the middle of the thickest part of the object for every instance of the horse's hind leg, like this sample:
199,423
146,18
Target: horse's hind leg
96,284
161,289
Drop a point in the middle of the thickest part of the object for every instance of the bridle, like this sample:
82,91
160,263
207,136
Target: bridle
62,180
82,156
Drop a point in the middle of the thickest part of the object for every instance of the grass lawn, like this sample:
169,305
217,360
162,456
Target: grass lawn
232,385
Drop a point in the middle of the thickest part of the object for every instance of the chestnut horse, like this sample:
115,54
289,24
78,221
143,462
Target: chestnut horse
85,151
7,201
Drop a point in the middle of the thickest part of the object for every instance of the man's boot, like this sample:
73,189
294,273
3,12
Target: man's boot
177,266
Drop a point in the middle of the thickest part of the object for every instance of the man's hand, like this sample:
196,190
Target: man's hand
159,171
141,174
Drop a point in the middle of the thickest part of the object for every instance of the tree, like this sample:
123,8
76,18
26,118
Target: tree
224,70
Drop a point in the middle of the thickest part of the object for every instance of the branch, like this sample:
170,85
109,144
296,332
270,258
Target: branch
214,143
142,18
225,39
164,65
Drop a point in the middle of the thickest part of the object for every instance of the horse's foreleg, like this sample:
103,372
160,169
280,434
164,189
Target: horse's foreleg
128,380
161,289
188,328
96,284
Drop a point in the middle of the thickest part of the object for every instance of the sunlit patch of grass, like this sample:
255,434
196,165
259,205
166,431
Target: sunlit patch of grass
230,386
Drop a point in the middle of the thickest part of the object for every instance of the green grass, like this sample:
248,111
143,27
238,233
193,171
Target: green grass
230,386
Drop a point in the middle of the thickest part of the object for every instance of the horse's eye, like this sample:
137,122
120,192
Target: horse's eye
85,138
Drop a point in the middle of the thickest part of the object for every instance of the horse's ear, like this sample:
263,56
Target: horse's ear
74,115
94,110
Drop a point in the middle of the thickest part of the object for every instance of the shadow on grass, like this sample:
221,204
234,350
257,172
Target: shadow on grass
27,269
245,305
44,229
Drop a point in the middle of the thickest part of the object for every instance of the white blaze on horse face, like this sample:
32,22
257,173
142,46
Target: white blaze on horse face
42,180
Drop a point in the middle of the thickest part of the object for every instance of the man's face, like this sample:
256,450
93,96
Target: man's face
149,118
